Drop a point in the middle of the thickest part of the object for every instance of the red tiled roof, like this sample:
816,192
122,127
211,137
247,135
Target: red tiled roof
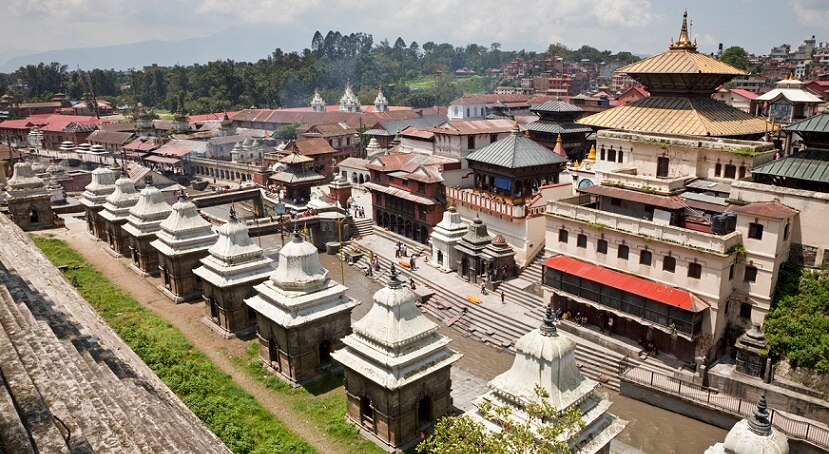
57,123
464,127
411,131
492,99
668,202
628,283
744,93
774,210
16,124
310,146
302,115
162,159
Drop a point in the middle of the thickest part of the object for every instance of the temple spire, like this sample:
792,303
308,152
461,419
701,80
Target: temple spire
759,422
394,281
548,328
684,42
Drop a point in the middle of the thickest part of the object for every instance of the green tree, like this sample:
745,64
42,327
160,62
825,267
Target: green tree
286,132
735,56
541,434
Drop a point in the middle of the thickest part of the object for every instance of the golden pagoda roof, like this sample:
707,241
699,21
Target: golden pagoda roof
679,116
681,58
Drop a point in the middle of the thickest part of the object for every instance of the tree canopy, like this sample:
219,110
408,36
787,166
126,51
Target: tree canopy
797,327
735,56
541,434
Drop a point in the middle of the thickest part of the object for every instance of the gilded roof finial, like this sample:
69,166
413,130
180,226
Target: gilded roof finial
684,42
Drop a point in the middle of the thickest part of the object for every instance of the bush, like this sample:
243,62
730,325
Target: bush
225,408
797,327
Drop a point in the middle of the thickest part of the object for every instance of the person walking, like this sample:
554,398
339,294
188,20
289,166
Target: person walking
503,295
483,288
610,325
412,263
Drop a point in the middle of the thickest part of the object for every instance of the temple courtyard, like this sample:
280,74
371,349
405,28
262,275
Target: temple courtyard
650,429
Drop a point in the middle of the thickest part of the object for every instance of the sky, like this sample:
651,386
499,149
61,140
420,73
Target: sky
639,26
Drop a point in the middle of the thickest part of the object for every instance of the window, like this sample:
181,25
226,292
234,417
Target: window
602,153
421,187
742,172
730,171
562,236
611,155
694,270
467,113
751,273
615,202
786,232
493,138
731,272
623,252
745,310
470,142
645,258
621,155
717,169
601,247
669,264
755,231
581,241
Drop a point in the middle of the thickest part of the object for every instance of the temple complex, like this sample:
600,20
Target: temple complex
445,236
546,358
753,435
302,315
297,177
93,199
115,211
183,240
28,199
482,258
143,222
234,265
397,369
511,179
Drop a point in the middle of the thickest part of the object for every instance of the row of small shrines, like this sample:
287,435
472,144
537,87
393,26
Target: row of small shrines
396,364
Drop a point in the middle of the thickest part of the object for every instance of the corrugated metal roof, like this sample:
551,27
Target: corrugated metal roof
397,192
628,283
680,62
817,123
809,165
515,151
678,116
556,105
558,128
428,121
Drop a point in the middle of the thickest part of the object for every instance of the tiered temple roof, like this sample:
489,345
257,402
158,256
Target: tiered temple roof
234,259
184,231
681,82
118,204
515,151
546,358
395,344
145,216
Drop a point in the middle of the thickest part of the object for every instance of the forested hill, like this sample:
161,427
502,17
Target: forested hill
410,73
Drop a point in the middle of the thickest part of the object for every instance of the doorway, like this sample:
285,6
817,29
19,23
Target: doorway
325,353
424,411
662,164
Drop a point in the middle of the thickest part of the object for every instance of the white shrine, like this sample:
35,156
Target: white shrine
143,222
547,358
445,236
397,369
233,266
317,103
381,104
349,102
93,199
115,211
753,435
302,315
182,241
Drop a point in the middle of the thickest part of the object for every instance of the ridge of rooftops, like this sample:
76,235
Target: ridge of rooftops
743,147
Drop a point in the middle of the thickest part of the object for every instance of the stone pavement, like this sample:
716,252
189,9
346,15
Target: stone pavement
466,387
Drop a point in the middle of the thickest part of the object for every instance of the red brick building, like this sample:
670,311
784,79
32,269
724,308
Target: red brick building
407,192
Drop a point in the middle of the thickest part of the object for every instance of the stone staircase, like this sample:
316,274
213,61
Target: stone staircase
497,330
75,386
365,226
414,247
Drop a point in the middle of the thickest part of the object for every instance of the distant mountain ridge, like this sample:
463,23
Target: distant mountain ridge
235,43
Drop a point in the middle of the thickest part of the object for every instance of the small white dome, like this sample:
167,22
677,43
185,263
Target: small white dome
299,266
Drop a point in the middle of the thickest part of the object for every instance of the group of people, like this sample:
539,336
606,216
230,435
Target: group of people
359,212
401,250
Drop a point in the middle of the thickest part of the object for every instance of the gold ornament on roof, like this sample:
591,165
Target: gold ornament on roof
684,42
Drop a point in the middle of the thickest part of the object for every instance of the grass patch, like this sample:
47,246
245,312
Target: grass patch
225,408
322,402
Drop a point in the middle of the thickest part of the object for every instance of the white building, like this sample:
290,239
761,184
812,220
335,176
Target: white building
445,235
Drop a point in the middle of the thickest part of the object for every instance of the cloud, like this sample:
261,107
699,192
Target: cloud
812,13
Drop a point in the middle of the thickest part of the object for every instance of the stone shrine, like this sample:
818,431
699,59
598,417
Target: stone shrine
752,352
753,435
302,315
234,265
183,240
93,199
547,358
445,236
143,222
397,369
115,212
28,199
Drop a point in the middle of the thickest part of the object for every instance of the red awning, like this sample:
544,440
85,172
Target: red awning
631,284
163,160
